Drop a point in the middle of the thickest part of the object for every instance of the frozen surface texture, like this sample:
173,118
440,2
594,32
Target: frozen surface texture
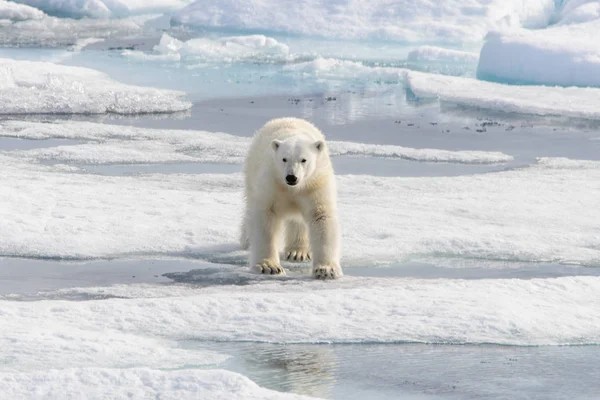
225,49
556,311
118,144
46,31
552,209
143,384
539,100
103,8
440,54
565,55
18,12
45,88
443,22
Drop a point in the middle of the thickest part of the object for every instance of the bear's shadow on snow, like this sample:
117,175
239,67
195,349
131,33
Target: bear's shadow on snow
236,275
231,268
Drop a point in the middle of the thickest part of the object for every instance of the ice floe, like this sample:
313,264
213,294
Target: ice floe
18,12
120,144
543,213
224,49
556,311
56,32
28,87
577,11
538,100
141,383
333,68
103,8
440,54
447,22
565,55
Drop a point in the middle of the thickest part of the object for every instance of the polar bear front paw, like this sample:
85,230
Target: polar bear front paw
297,255
268,267
326,272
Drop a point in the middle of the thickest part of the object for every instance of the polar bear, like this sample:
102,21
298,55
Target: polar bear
290,184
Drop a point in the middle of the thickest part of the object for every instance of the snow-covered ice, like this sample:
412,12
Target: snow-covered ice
557,311
440,54
335,69
565,55
45,88
551,203
538,100
138,383
46,31
103,8
18,12
117,144
455,21
225,49
510,250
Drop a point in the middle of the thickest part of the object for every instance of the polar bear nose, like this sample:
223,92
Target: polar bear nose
291,180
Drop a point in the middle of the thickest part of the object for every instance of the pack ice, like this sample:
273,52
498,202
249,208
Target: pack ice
454,21
28,87
565,54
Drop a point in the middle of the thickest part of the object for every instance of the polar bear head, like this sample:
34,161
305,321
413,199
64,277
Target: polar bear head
297,159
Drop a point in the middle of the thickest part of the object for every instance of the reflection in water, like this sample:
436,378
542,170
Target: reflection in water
417,371
307,370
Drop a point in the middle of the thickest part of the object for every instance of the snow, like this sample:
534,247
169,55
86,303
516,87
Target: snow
333,68
28,87
225,49
452,21
539,100
116,144
440,54
566,55
542,213
553,311
578,11
56,32
103,8
18,12
138,383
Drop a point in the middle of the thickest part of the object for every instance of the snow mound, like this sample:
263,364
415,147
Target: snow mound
224,49
538,100
98,383
117,144
103,8
450,21
44,88
440,54
578,11
552,311
565,55
18,12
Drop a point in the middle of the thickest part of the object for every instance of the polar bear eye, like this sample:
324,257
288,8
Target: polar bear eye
285,160
303,160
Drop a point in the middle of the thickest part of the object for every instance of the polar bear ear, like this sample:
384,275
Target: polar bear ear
320,145
275,144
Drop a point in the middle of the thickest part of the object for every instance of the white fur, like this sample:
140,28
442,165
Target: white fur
307,211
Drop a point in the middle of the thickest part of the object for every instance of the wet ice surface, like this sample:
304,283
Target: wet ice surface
330,371
335,371
417,371
170,290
